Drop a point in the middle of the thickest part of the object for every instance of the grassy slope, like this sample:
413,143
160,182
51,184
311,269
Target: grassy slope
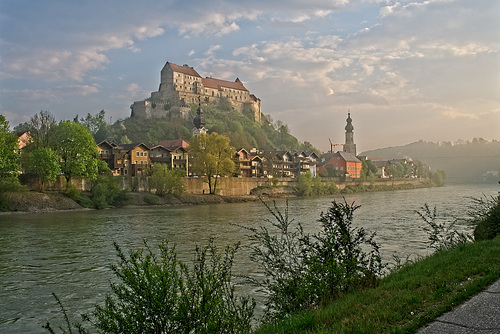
407,299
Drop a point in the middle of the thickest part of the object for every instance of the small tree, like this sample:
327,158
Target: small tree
305,184
166,181
438,177
212,157
369,168
76,149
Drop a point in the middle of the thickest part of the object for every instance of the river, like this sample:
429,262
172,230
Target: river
69,253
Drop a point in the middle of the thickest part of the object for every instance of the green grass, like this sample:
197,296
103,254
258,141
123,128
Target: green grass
407,299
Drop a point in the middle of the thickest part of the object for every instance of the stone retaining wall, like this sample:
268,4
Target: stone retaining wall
226,186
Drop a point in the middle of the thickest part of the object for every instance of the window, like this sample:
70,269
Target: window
125,172
137,153
136,162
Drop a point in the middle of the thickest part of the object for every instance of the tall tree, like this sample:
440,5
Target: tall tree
76,149
97,125
369,168
41,128
9,159
212,157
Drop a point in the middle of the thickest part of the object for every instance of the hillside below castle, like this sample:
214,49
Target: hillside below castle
182,85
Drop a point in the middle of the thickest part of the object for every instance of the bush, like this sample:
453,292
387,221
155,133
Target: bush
485,216
76,195
107,192
152,199
303,271
161,294
8,185
167,181
305,184
442,236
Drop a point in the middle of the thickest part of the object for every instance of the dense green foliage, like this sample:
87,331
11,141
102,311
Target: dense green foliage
302,271
8,185
9,159
107,192
66,143
368,170
485,216
309,186
96,125
241,129
76,149
42,162
9,164
166,181
212,157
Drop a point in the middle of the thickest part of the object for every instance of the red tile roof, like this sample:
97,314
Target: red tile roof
218,83
174,144
184,69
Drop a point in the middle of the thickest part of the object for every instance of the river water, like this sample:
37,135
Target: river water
69,253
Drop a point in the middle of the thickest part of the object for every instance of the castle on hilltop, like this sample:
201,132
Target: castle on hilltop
182,85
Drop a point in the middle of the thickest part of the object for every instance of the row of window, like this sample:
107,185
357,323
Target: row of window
141,154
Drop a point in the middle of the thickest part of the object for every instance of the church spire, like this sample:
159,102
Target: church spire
349,145
199,121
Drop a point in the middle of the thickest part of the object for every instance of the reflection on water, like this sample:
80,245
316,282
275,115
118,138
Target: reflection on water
69,253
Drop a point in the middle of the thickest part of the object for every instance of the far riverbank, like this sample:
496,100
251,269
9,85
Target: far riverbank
37,202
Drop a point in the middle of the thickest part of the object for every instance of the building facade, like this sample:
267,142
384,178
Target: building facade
182,85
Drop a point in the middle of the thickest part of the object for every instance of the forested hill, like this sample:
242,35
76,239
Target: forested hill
462,160
241,129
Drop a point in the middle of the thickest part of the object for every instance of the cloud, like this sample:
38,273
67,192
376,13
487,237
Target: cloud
318,57
51,94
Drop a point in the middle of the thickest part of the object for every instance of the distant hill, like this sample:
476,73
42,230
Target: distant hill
476,160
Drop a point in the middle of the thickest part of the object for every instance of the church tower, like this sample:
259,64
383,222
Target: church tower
199,121
349,146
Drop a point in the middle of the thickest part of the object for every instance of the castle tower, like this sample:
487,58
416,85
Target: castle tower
199,121
349,145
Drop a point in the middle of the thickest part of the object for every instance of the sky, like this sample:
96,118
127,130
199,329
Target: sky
406,70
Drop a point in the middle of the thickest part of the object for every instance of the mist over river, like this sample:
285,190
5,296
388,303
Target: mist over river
69,253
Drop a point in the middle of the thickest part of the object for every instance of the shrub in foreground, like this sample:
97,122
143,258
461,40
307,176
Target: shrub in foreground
303,271
161,294
442,234
485,216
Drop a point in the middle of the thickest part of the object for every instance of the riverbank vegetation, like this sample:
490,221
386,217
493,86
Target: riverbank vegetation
330,281
408,298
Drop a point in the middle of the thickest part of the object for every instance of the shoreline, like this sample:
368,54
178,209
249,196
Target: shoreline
50,202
